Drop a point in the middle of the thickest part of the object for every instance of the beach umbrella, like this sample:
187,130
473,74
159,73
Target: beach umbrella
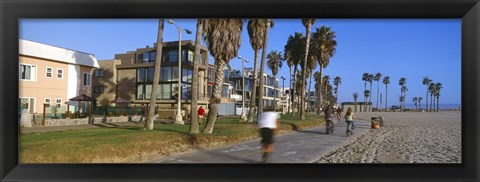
120,100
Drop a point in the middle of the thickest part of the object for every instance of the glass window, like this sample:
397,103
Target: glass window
174,91
150,72
28,72
58,102
186,91
86,79
190,55
166,73
60,73
141,75
145,57
174,74
186,75
148,91
49,72
140,91
165,91
172,56
47,100
152,55
27,103
98,89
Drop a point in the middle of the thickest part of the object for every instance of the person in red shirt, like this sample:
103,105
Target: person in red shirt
201,111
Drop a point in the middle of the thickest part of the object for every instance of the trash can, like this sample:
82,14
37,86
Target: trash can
374,121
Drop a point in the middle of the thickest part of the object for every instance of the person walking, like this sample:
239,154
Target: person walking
201,111
349,119
268,126
329,115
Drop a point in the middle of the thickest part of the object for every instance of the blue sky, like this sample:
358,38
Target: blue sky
394,47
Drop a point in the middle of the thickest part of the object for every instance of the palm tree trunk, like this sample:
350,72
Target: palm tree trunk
290,91
386,92
274,92
304,76
364,97
216,95
262,67
196,58
309,87
426,101
438,98
293,90
156,76
251,112
431,102
320,95
371,95
378,93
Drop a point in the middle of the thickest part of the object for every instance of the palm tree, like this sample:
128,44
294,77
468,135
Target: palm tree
293,52
377,78
438,87
364,79
325,45
311,65
355,97
196,58
415,101
404,90
156,76
325,82
290,65
402,83
402,98
386,81
431,89
223,40
419,103
426,81
307,22
317,78
256,32
274,62
370,80
366,94
268,24
337,81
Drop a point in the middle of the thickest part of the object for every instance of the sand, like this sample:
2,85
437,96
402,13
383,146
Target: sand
407,137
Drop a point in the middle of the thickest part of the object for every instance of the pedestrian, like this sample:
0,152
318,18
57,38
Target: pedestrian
201,111
268,126
329,115
183,112
349,119
339,113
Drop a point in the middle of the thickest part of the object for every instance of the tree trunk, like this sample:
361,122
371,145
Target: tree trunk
320,99
386,96
304,75
378,92
431,102
156,76
274,92
438,98
216,95
194,128
426,101
253,98
371,95
293,90
364,97
262,67
290,91
309,87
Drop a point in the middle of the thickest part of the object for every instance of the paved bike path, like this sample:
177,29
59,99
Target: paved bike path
304,146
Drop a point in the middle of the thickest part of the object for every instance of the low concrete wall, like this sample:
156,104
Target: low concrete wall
80,121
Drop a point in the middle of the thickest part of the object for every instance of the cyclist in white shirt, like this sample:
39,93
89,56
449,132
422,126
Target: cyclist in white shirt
268,125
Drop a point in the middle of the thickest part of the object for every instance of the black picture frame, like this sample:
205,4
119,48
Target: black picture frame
12,11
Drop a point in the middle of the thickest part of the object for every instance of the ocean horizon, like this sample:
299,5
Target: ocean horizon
442,106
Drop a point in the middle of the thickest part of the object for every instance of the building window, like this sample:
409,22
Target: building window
47,100
148,56
28,72
186,75
98,89
49,72
186,91
190,56
60,73
98,73
86,79
27,103
165,91
166,74
172,56
58,102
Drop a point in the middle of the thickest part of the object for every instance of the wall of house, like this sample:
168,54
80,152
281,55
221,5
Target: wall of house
126,83
44,87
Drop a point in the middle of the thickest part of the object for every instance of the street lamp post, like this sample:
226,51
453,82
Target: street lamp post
283,93
178,118
243,116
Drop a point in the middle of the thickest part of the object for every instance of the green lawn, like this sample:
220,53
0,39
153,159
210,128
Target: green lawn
132,144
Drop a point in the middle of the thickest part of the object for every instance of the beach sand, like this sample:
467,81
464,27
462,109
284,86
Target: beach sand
407,137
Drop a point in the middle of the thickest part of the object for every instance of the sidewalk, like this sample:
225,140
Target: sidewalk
305,146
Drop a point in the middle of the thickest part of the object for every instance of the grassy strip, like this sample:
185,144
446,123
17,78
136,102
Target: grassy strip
132,144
